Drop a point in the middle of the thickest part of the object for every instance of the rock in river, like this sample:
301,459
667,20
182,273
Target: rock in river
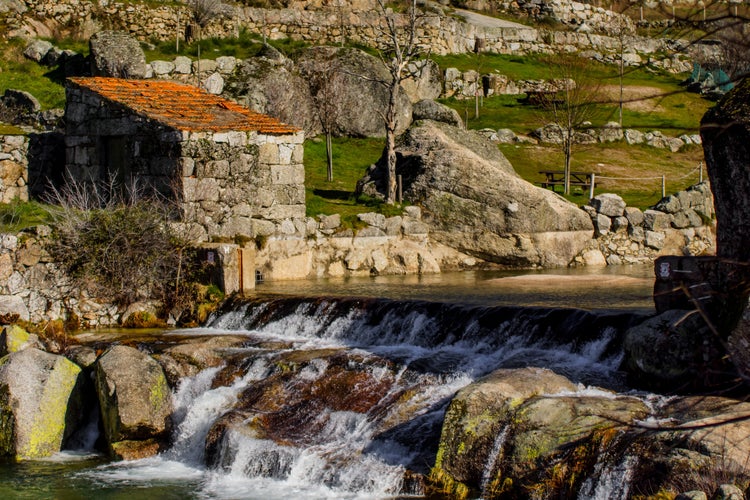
39,403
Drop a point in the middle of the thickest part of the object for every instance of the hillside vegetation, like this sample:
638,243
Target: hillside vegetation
654,101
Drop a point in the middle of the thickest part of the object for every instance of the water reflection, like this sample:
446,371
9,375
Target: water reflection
612,287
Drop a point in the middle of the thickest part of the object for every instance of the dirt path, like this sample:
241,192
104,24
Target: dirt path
636,97
483,21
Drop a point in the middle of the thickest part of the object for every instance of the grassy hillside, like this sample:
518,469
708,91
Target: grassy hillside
655,101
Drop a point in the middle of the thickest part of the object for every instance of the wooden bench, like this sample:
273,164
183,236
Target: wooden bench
557,178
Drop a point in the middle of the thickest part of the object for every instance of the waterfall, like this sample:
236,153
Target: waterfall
494,457
282,425
609,481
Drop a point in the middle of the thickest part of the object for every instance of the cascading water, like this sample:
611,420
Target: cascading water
345,398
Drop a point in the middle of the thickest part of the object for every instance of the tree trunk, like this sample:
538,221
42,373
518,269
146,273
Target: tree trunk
566,171
390,143
329,156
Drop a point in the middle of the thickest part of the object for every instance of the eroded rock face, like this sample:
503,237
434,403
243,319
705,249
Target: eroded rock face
725,132
360,96
271,84
134,396
39,403
117,54
475,202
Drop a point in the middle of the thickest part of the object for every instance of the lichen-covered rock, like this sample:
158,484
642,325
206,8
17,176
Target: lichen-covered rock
133,395
14,338
473,201
502,432
117,54
478,413
39,403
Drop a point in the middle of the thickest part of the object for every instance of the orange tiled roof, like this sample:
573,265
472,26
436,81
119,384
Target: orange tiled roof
181,106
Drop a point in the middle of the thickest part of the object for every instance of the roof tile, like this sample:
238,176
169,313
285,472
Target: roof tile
183,107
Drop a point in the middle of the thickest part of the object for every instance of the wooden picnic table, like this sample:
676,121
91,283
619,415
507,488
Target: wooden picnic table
557,178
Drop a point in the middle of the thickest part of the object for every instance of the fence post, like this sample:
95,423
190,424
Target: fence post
593,183
663,186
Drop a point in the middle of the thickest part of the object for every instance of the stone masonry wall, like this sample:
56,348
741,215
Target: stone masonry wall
228,184
438,33
152,148
384,246
242,184
14,172
35,288
680,224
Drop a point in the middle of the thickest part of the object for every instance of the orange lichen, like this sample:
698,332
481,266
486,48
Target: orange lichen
181,106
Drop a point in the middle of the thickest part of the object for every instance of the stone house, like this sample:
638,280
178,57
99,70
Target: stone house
233,172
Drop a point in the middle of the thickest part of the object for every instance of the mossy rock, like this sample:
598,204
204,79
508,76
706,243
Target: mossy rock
133,394
39,403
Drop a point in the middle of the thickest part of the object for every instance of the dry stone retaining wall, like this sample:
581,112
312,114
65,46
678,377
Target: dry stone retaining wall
439,33
680,224
14,171
36,289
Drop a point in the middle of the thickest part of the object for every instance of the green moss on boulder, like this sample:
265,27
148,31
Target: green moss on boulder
39,403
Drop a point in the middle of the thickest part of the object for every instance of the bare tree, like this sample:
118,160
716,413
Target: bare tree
326,83
202,12
572,106
400,47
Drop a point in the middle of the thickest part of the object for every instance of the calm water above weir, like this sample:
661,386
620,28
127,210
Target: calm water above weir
612,287
480,324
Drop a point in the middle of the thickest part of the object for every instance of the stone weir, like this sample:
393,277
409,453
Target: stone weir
376,398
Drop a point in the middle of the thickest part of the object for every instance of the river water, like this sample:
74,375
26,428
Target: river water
439,332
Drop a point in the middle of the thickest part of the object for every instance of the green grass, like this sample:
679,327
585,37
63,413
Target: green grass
17,72
351,158
242,47
672,111
626,163
19,215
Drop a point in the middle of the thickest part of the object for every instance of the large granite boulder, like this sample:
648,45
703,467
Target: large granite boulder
476,414
476,203
39,403
428,109
504,432
425,80
361,96
526,430
674,350
725,133
271,84
117,54
135,400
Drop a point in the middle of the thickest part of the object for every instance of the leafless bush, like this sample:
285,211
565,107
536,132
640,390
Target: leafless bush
117,243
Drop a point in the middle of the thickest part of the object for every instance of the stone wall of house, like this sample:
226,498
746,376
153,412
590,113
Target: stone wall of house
14,172
228,184
680,224
153,148
36,289
242,184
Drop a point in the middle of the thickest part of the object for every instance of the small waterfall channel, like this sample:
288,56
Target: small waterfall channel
345,397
